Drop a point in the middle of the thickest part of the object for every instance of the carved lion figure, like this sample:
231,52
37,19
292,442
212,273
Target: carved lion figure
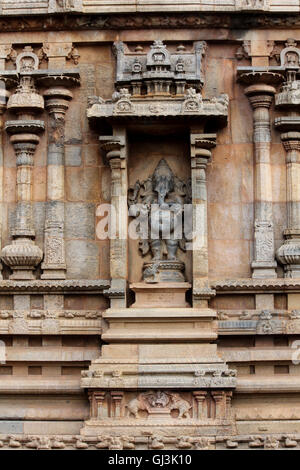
138,403
178,403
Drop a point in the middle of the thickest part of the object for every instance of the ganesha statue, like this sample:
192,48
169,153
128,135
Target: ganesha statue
159,204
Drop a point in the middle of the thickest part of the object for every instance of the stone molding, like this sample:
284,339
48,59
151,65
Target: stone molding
260,322
204,374
25,7
179,439
49,324
165,20
61,286
256,285
180,109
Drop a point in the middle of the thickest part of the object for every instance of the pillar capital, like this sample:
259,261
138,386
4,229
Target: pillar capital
291,142
112,146
57,53
57,100
260,98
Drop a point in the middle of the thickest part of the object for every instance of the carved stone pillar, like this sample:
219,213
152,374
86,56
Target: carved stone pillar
2,109
59,79
22,256
264,264
56,102
287,100
99,398
201,145
116,153
5,52
117,398
220,401
200,397
228,404
289,253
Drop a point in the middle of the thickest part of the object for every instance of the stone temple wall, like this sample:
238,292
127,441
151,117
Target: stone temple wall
156,342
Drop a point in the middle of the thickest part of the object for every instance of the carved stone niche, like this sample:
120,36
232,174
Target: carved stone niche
166,345
158,92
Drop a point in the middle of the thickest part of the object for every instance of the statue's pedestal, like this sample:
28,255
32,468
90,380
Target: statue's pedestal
170,271
171,294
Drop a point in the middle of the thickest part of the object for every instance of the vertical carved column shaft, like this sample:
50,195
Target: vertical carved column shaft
117,398
101,410
291,142
5,52
200,156
23,255
264,264
54,265
200,397
116,154
220,401
289,253
24,160
228,404
1,183
3,98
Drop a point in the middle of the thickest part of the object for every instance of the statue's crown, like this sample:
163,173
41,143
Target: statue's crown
163,169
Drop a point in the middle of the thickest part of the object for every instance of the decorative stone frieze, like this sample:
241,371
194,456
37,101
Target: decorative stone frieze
168,374
253,5
156,406
101,7
42,286
256,285
180,440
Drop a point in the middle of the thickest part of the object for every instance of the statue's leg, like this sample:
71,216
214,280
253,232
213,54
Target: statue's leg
156,249
172,246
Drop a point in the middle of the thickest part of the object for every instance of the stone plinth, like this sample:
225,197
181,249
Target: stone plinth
158,386
162,293
159,325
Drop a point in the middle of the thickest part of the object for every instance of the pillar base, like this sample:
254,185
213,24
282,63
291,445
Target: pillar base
289,255
22,256
162,293
53,272
264,270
